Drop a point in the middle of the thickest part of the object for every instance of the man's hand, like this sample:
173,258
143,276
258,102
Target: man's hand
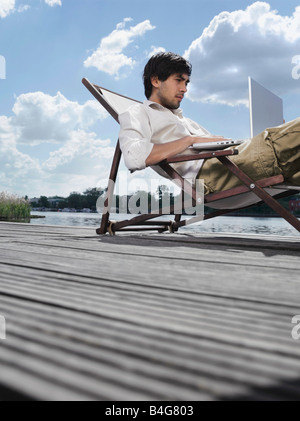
170,149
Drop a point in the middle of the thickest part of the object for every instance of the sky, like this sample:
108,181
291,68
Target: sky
56,139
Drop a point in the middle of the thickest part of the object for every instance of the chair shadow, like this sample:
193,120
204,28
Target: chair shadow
269,247
283,390
8,394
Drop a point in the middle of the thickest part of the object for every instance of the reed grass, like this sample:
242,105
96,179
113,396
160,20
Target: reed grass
13,208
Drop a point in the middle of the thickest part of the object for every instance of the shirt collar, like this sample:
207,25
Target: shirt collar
157,106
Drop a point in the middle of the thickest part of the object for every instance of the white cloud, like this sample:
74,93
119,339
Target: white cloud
23,8
81,147
79,164
109,56
53,2
40,118
15,166
155,50
122,25
6,7
79,158
256,42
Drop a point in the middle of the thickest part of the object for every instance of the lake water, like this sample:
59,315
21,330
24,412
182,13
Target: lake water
228,224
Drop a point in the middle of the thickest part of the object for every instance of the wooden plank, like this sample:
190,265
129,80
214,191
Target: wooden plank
203,317
212,271
164,357
82,329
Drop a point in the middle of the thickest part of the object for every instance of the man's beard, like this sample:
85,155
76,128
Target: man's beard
169,105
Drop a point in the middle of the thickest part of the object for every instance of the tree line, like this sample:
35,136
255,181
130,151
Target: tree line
88,199
75,200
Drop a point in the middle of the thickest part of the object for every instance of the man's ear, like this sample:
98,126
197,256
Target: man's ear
155,81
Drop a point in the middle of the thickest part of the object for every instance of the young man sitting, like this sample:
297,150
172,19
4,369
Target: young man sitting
157,130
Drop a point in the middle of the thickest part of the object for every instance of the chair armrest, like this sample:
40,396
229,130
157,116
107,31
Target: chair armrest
271,182
201,155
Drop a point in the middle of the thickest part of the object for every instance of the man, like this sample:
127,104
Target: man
156,130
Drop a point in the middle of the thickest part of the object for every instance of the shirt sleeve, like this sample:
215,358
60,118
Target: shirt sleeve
135,137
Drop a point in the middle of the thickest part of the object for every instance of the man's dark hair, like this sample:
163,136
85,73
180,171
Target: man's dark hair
163,65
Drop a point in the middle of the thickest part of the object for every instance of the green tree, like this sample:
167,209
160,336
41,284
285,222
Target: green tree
91,196
75,200
43,202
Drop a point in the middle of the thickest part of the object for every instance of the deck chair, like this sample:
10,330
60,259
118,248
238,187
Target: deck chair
250,193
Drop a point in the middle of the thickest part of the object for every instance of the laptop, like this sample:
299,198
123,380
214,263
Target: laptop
266,108
222,144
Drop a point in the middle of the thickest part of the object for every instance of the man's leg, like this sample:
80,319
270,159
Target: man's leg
286,143
275,151
294,180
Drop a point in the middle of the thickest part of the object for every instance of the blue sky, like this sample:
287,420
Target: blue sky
55,139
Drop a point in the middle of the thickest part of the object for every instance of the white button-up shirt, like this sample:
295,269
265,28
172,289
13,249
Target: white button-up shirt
147,124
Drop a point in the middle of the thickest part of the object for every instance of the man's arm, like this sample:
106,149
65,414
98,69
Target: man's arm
135,141
171,149
135,134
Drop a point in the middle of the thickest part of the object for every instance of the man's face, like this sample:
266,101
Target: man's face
170,93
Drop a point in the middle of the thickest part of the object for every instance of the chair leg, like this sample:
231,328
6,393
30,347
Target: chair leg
261,193
104,225
177,218
110,191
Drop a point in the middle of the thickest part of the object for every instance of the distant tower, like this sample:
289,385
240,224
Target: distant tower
2,68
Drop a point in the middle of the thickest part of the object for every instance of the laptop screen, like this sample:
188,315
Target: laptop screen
266,108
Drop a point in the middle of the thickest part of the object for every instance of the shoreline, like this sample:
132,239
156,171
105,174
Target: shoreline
2,219
250,215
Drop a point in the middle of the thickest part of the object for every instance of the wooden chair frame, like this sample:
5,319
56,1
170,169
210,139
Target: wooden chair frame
144,222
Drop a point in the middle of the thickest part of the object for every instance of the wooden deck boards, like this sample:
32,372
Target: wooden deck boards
147,316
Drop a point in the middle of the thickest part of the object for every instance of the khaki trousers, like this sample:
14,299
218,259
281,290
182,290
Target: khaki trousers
273,152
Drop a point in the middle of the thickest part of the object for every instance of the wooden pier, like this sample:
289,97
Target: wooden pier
147,317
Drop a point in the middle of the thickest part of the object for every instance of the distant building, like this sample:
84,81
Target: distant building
34,200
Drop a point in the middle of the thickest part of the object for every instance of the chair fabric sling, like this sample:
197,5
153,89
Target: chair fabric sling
249,194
